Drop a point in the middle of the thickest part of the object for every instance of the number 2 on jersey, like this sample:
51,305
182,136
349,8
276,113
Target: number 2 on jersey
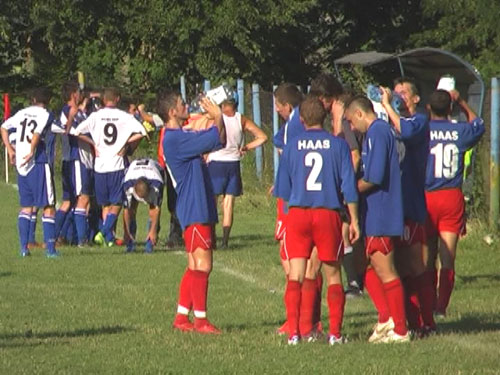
314,160
446,160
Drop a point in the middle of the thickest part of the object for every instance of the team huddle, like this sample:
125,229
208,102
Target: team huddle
346,174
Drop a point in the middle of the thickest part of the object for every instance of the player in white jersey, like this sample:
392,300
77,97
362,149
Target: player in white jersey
112,132
224,164
144,183
36,188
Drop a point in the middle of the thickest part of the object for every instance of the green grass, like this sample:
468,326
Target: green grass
101,311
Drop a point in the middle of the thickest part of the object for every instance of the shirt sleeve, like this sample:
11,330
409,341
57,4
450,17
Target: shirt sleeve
10,123
49,119
473,131
376,158
413,128
279,138
195,143
84,127
283,185
136,125
348,186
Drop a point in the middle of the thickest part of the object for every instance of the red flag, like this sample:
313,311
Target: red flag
6,106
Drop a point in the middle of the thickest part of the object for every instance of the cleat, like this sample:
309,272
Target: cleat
393,337
427,331
83,245
99,239
52,254
283,330
61,241
110,244
184,326
439,315
148,249
36,245
207,328
119,242
24,253
333,340
380,330
293,340
318,328
353,292
130,247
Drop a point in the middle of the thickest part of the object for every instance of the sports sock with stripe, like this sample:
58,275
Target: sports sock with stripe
336,303
49,233
23,225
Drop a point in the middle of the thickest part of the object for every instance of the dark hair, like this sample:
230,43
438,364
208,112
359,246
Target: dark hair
362,102
440,103
326,85
141,188
110,94
68,89
312,110
165,101
41,95
288,93
410,81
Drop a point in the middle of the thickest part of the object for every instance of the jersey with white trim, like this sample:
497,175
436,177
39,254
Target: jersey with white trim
110,129
292,128
381,207
448,144
316,170
415,137
28,122
182,152
234,140
147,169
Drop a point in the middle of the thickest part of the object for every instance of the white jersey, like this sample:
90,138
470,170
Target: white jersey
84,149
234,140
148,169
27,122
110,129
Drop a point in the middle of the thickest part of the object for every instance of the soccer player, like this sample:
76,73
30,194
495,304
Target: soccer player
412,128
382,212
143,182
315,168
34,173
445,169
196,206
224,164
111,132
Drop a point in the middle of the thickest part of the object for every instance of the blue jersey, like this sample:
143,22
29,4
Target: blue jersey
448,144
415,138
70,143
381,207
182,152
292,128
316,171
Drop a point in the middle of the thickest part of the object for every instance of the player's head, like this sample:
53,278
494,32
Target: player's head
359,112
407,88
171,107
287,97
312,111
71,93
142,189
440,103
229,106
327,88
111,96
40,96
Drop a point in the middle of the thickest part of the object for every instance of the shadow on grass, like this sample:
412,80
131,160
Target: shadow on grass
5,274
471,323
476,278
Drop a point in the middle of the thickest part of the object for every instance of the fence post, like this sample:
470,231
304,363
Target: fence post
256,119
6,115
240,86
275,130
206,85
494,154
183,88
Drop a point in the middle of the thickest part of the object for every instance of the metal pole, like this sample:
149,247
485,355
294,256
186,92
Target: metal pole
6,115
495,156
256,119
275,130
206,85
183,88
240,85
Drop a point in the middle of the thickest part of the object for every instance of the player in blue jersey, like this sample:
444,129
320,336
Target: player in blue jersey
315,176
445,170
35,180
382,218
412,128
195,207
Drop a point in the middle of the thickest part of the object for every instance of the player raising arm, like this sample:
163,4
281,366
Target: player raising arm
315,168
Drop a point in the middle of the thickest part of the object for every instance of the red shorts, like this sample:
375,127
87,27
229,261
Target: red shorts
283,251
446,211
279,232
383,245
309,227
198,236
413,233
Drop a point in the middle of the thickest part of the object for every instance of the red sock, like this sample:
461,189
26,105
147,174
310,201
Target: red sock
425,297
185,302
433,276
376,291
446,283
317,305
336,302
199,290
309,293
292,303
412,305
395,299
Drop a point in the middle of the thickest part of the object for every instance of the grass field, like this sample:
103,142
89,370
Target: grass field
100,311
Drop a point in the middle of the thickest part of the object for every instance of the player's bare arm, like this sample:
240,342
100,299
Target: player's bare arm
364,186
71,116
394,118
356,159
215,112
154,217
10,150
87,139
464,106
337,113
354,231
34,144
258,134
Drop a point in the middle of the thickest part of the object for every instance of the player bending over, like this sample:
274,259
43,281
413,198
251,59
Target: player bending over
34,175
315,168
382,207
196,207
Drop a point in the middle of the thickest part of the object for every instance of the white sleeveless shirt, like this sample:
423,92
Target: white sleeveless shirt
234,140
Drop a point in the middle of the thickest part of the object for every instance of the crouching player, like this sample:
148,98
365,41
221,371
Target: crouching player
195,205
445,169
143,182
382,209
35,180
315,168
